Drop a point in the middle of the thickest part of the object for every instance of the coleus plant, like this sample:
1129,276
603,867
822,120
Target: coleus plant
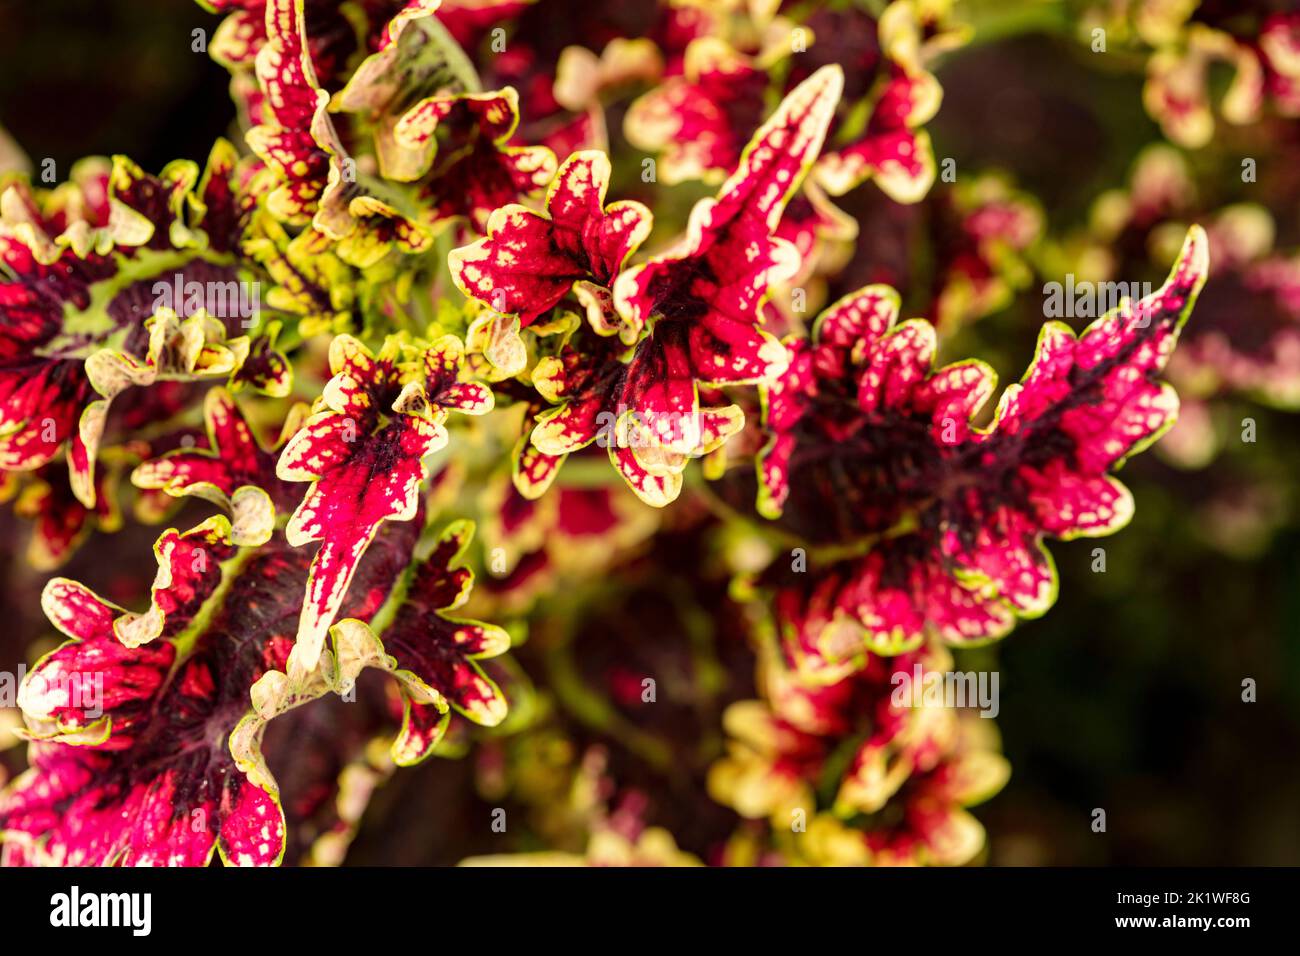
419,248
952,528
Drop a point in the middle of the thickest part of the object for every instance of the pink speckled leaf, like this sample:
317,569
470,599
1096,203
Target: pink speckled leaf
432,654
234,471
471,169
705,297
893,150
965,510
141,772
529,261
363,452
